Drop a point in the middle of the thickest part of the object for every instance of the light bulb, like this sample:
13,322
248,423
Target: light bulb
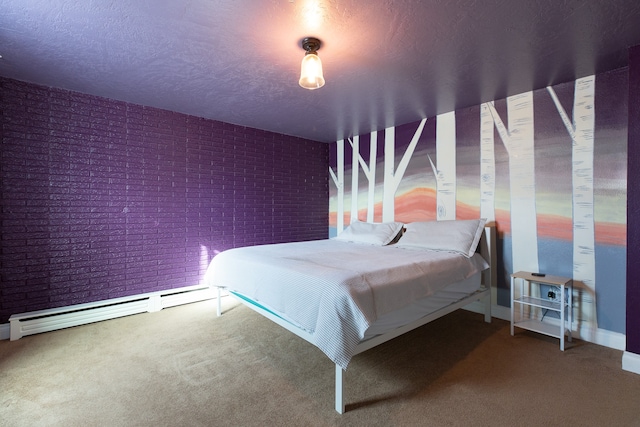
311,72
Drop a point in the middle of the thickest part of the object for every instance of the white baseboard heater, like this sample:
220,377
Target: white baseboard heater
35,322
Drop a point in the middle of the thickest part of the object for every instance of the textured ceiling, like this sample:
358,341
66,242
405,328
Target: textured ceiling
386,62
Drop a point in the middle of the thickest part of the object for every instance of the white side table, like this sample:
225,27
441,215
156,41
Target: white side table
523,304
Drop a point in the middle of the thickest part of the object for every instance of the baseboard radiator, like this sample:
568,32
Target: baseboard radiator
35,322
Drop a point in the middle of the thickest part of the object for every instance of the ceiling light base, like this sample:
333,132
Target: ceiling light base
311,44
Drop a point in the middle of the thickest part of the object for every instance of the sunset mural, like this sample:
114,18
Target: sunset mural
575,176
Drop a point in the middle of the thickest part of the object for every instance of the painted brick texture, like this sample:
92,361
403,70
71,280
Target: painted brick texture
102,199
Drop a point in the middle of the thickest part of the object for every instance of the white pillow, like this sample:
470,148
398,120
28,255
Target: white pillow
461,236
371,233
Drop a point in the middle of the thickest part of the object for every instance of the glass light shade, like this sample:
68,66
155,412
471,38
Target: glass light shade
311,72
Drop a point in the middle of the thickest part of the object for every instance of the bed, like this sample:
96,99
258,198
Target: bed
367,286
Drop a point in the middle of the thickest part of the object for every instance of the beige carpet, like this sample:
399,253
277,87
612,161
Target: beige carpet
185,367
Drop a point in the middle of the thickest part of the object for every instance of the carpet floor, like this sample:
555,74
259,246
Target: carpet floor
184,366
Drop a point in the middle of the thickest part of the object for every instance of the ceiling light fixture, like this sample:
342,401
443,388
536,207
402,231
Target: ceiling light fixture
311,69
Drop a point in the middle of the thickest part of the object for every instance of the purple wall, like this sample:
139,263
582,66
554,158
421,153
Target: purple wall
102,199
633,205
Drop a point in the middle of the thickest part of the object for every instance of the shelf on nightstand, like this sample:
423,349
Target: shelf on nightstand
526,305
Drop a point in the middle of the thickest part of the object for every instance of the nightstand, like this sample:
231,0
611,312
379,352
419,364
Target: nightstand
528,311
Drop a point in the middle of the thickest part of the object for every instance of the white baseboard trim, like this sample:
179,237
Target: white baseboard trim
601,337
631,362
35,322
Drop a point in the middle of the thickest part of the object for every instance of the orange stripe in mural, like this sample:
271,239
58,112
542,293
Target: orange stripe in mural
608,233
419,204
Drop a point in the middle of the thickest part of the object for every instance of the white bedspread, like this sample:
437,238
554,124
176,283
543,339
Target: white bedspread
334,289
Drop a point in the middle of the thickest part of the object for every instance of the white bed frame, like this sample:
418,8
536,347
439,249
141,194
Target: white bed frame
486,249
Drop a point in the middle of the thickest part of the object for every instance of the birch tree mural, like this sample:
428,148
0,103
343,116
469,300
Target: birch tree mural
445,173
487,165
549,219
369,172
581,130
339,182
393,177
518,140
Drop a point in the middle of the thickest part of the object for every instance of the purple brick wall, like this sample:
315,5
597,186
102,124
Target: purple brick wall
102,198
633,205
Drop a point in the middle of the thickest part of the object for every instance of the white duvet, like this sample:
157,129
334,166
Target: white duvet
335,290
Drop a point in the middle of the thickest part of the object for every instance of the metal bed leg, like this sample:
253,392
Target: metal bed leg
339,390
487,308
219,302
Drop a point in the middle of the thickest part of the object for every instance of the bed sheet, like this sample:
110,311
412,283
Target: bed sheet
416,310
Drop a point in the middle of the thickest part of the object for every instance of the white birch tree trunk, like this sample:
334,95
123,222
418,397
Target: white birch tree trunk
581,130
355,150
369,172
518,140
392,178
338,180
445,172
487,165
488,181
371,175
388,186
